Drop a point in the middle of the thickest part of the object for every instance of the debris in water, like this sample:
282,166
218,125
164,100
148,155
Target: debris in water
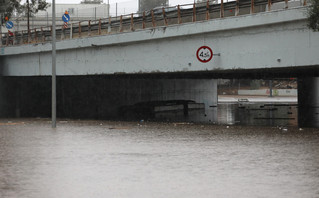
119,128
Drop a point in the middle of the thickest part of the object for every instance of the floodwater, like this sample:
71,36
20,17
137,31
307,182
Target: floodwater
244,114
258,114
98,159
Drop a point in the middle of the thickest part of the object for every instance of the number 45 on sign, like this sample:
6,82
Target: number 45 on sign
204,54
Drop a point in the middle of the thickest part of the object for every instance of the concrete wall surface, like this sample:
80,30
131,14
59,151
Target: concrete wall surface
274,39
98,97
308,99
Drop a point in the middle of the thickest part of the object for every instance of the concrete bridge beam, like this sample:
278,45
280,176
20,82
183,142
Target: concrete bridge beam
270,40
308,99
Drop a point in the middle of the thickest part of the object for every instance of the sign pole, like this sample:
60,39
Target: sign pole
53,66
108,8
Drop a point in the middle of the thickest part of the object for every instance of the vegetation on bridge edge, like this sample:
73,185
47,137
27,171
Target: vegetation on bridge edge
313,15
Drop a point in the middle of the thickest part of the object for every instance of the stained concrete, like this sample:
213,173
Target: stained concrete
269,40
97,97
308,98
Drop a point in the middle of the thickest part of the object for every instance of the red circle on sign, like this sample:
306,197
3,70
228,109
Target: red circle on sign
204,54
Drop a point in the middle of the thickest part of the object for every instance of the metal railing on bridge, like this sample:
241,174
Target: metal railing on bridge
164,16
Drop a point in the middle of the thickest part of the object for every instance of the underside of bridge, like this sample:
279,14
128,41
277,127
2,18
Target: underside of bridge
131,96
108,97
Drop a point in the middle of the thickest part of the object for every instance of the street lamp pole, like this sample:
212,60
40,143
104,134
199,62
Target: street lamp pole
28,16
53,66
108,9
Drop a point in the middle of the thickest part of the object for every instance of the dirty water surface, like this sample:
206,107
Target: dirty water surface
159,160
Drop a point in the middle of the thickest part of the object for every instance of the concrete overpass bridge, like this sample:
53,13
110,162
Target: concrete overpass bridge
169,62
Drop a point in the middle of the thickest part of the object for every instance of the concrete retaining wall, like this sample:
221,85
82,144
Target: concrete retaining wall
308,98
97,97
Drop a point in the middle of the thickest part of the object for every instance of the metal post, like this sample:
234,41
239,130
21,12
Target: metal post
7,41
143,24
164,17
71,31
194,12
29,36
21,38
35,35
153,20
95,13
222,9
237,8
17,24
14,38
179,15
132,23
42,35
47,19
269,5
252,7
116,10
207,10
80,29
109,26
28,15
53,67
89,28
121,23
108,8
108,16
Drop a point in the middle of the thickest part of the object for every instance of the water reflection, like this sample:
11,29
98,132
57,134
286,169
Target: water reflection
226,114
258,114
261,114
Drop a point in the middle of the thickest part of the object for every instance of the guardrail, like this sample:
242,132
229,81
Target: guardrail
148,19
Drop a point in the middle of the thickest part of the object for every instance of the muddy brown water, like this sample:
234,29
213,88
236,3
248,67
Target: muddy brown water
160,160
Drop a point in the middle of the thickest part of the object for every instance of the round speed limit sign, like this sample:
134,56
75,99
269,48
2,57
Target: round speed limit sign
204,54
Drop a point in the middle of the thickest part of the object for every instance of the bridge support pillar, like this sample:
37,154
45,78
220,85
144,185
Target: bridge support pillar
2,102
308,102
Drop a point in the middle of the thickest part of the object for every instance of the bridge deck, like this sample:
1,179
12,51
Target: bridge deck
276,42
149,19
